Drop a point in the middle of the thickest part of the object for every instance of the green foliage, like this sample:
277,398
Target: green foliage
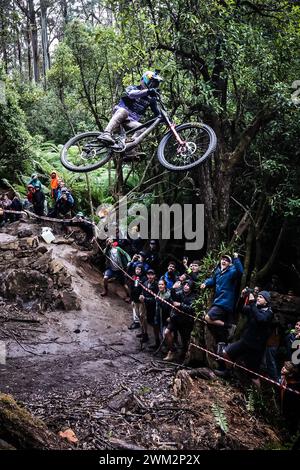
144,390
220,417
263,403
15,140
250,400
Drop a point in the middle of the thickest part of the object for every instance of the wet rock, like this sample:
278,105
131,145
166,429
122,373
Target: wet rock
64,280
25,232
70,301
32,242
42,262
56,266
43,249
8,242
28,272
26,284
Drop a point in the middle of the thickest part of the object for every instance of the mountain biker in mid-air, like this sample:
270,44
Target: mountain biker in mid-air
182,147
132,106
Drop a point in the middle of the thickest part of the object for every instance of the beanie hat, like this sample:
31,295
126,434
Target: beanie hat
266,295
190,283
228,257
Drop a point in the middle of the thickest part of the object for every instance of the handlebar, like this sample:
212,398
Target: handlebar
159,99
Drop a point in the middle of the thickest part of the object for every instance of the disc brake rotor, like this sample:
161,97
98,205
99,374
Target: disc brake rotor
188,149
87,154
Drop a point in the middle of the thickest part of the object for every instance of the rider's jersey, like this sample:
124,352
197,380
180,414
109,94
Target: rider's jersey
136,101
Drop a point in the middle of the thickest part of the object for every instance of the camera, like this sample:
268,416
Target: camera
247,291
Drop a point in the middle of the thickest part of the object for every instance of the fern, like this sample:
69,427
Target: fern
220,417
250,401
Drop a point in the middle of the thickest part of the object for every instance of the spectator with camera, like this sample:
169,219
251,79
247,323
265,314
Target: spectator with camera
252,344
137,259
192,270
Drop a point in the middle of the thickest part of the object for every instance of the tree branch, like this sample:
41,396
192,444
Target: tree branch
193,56
262,273
262,118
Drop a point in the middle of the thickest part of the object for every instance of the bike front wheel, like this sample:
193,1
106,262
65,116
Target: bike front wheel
199,142
84,153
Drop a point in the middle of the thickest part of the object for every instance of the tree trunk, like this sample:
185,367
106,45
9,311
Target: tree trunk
4,35
19,48
34,40
208,198
265,271
20,429
89,194
64,9
119,182
247,260
45,44
29,51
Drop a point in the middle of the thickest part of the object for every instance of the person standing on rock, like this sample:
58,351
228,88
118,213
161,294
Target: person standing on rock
148,301
138,312
224,280
181,320
54,185
35,182
38,200
252,344
116,261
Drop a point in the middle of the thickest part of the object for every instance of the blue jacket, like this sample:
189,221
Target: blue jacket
170,280
225,283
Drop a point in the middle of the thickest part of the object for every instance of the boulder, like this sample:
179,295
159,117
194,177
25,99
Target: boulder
56,266
70,301
25,284
25,232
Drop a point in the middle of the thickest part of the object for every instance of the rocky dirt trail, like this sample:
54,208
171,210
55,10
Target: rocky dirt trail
83,369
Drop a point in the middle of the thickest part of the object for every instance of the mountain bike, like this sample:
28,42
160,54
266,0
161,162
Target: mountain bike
182,148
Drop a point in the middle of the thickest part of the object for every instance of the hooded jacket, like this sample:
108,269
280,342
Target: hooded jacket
225,283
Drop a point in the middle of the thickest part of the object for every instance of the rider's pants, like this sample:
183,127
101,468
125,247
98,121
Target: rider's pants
121,117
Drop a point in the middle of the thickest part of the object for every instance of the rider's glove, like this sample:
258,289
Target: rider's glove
152,92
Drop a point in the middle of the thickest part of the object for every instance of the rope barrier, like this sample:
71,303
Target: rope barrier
220,358
157,297
234,364
41,217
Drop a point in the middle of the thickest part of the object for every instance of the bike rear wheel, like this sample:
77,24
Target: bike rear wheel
84,153
200,142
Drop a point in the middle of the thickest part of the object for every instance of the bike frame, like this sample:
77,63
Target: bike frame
150,126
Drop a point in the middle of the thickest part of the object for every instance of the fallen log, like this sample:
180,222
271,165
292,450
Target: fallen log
21,430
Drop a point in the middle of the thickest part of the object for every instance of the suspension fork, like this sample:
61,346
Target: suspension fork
176,135
172,127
